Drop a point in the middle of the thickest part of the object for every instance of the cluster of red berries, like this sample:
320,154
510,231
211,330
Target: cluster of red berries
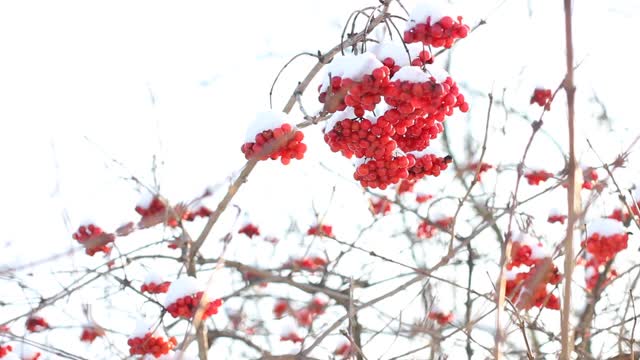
321,230
535,177
380,206
156,212
250,230
90,333
382,173
527,289
605,247
423,198
593,269
542,97
424,57
428,229
444,32
622,215
306,315
187,306
291,336
4,350
590,177
153,288
36,323
94,239
442,318
479,169
282,142
554,218
152,345
310,263
362,138
343,349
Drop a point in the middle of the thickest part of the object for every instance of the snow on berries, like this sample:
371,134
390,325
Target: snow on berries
272,136
432,24
186,295
154,283
94,239
36,323
145,340
535,177
605,239
542,97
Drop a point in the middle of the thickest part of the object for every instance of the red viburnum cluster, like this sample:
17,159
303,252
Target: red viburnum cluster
90,333
310,263
441,317
542,97
156,211
4,350
441,33
428,229
282,142
554,218
593,270
151,344
535,177
479,168
36,323
344,349
155,288
250,230
529,272
186,306
94,239
380,206
605,239
321,230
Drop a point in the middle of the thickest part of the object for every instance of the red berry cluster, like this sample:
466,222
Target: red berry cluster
527,289
187,306
150,344
605,248
280,308
4,350
153,288
428,164
36,323
557,218
306,315
201,211
382,173
590,177
343,349
441,33
479,168
321,230
428,229
405,186
621,215
311,263
362,138
94,239
442,318
250,230
534,177
423,198
291,336
283,142
90,333
155,213
542,97
380,206
592,274
424,57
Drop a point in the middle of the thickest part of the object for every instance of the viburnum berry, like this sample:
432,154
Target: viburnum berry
90,333
36,324
380,206
154,210
291,336
153,288
382,173
343,349
352,135
191,215
250,230
479,168
621,215
534,177
94,239
554,218
592,275
280,308
590,177
405,186
426,230
427,165
282,142
542,97
424,26
442,318
4,350
151,344
321,230
311,263
422,198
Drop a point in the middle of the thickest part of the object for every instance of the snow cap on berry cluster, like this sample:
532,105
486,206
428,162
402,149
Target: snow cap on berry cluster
153,277
266,120
184,286
555,212
415,74
605,227
353,67
143,327
435,9
396,51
